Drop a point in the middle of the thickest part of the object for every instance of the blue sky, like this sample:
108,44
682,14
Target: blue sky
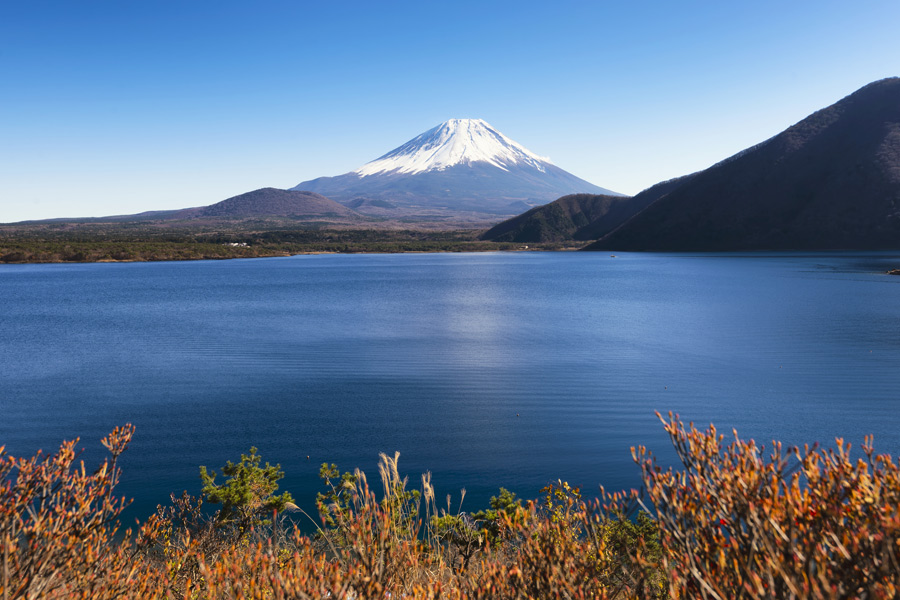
115,107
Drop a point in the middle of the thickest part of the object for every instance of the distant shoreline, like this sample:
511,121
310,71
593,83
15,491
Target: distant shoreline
123,243
152,242
168,253
284,255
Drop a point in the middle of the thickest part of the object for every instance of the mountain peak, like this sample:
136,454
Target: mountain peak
454,142
460,166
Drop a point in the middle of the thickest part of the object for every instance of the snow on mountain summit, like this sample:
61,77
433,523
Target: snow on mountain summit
460,166
454,142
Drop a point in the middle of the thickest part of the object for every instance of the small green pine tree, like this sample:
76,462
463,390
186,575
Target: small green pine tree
248,493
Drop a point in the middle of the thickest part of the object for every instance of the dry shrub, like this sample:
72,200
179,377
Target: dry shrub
737,522
58,524
561,548
743,521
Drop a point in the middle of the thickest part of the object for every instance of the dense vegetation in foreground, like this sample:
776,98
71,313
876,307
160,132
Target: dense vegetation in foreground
131,242
737,521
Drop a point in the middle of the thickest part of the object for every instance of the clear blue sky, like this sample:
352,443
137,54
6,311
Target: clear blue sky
115,107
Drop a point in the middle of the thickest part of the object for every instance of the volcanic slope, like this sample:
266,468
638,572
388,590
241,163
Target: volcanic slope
272,202
832,181
460,165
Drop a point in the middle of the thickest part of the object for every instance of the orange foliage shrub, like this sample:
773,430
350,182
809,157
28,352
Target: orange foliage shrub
744,521
738,522
57,523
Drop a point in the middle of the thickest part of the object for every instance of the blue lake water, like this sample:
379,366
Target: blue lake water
489,370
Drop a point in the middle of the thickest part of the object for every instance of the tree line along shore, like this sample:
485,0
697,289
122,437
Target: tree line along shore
112,245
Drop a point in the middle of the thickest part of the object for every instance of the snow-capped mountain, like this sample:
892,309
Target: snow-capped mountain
454,142
460,165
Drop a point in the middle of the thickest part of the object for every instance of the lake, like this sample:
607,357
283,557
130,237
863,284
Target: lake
489,370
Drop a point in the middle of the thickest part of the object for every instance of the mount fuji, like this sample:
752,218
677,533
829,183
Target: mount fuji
460,165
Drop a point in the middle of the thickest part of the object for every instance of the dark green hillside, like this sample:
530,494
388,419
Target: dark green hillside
573,217
830,182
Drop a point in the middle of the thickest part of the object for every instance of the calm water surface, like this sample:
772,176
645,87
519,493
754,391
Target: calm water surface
487,369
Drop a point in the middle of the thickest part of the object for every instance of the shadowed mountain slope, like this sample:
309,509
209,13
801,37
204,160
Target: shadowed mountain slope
264,202
832,181
573,217
272,202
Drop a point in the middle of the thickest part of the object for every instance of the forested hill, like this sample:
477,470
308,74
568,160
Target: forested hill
832,181
573,217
